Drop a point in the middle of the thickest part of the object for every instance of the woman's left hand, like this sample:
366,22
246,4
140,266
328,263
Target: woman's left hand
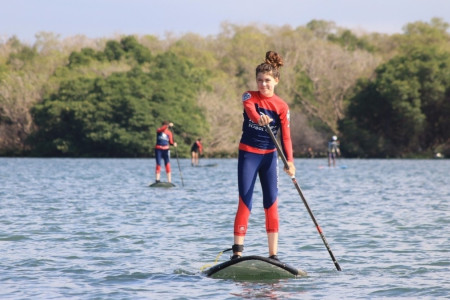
291,170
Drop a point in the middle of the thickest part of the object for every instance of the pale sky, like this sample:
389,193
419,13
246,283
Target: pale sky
105,18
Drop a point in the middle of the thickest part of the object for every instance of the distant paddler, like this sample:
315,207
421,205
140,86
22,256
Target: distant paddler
196,150
164,139
333,151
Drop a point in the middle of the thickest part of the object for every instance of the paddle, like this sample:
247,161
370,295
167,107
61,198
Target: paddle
178,162
179,168
283,158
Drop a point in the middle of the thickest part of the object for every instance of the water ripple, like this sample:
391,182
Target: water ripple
92,228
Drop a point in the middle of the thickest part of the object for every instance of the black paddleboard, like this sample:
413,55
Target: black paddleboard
253,267
162,184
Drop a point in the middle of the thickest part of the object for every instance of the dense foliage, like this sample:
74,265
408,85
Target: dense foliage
117,115
384,95
405,109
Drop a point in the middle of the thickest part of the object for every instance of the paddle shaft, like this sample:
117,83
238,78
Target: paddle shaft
179,168
299,190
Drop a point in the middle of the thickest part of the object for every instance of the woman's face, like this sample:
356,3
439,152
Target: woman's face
266,84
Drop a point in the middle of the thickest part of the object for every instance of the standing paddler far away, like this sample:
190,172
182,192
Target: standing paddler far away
333,151
258,154
196,151
164,139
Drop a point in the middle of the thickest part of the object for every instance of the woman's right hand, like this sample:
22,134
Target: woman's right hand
264,120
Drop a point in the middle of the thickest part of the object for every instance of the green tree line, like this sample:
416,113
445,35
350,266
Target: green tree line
383,95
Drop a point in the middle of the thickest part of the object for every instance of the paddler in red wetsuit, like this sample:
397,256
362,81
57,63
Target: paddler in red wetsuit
164,139
196,149
258,154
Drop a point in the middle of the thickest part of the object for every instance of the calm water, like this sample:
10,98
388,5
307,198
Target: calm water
92,229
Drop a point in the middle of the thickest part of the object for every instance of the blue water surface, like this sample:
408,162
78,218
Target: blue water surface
93,229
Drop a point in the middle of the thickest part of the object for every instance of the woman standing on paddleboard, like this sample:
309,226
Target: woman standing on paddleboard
258,155
164,139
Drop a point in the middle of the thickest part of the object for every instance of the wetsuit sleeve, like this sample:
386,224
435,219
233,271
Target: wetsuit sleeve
250,108
162,128
286,134
169,133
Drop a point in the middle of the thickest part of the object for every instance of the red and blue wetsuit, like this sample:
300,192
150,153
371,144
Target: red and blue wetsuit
164,138
258,156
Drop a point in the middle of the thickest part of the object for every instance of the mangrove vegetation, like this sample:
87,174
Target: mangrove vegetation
383,95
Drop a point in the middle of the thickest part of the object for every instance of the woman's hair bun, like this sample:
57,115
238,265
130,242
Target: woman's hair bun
274,59
271,64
